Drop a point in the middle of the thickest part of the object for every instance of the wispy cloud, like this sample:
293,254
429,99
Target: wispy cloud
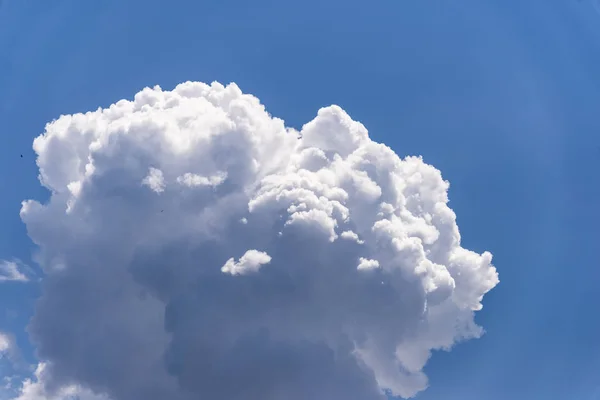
10,271
9,350
5,343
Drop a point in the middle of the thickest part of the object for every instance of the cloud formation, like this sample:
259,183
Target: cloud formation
5,343
195,247
35,389
10,272
10,356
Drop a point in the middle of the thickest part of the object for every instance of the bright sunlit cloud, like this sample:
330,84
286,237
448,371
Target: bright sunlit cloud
195,247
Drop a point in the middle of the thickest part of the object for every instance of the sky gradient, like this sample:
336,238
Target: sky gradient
501,96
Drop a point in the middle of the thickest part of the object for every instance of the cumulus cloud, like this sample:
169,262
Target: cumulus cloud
366,263
250,262
10,272
351,236
35,389
349,269
155,180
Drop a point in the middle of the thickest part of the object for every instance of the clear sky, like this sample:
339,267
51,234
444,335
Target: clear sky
503,97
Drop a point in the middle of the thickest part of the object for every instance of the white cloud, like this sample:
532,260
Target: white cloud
10,272
136,304
5,343
155,180
10,357
351,236
191,180
366,263
36,389
250,262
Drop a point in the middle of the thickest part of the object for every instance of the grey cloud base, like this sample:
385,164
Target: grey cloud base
195,247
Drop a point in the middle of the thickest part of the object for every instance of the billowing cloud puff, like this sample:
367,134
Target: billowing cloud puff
195,247
35,389
249,262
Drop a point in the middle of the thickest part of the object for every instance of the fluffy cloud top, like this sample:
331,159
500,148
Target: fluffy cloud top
195,247
250,262
9,271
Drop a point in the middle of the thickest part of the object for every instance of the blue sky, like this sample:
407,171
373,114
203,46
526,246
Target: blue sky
501,96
